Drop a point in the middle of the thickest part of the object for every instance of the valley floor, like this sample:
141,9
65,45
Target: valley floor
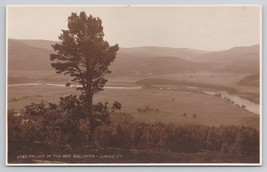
168,105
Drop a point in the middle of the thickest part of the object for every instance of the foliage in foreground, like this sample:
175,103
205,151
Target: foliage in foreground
64,124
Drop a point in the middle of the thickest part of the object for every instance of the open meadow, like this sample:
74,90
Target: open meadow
168,106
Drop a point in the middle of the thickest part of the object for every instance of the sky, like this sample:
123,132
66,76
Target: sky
211,28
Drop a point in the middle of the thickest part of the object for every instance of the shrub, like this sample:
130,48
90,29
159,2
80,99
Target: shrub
65,124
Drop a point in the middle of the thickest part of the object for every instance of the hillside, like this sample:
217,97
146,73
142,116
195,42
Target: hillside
235,60
33,55
141,66
43,44
24,57
250,80
152,51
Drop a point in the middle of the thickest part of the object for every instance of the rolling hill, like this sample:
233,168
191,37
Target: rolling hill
43,44
152,51
147,66
22,56
235,60
250,80
33,55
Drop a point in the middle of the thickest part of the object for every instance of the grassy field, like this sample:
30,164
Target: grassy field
168,106
171,104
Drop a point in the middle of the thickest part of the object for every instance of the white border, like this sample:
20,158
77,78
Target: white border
139,164
6,80
261,91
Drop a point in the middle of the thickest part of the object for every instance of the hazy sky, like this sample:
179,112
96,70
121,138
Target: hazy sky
199,27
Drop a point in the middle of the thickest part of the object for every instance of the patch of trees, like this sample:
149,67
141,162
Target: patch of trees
185,115
147,109
158,81
47,124
65,123
180,138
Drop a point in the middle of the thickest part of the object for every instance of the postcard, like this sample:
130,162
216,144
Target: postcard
134,85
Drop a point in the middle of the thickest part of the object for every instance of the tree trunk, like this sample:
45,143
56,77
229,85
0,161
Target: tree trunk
92,134
89,97
91,120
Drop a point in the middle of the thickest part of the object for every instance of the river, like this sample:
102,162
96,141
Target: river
236,100
248,105
63,85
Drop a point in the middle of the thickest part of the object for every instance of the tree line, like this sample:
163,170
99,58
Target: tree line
46,123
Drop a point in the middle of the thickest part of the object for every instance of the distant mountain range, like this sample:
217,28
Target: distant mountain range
235,60
152,51
31,55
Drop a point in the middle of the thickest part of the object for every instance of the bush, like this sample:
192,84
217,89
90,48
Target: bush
179,138
66,123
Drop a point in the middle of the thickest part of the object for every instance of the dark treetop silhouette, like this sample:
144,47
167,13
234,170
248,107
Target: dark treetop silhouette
84,55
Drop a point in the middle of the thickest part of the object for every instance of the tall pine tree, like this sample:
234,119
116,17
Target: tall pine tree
84,55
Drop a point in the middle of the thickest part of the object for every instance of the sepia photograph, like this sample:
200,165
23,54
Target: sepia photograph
134,85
